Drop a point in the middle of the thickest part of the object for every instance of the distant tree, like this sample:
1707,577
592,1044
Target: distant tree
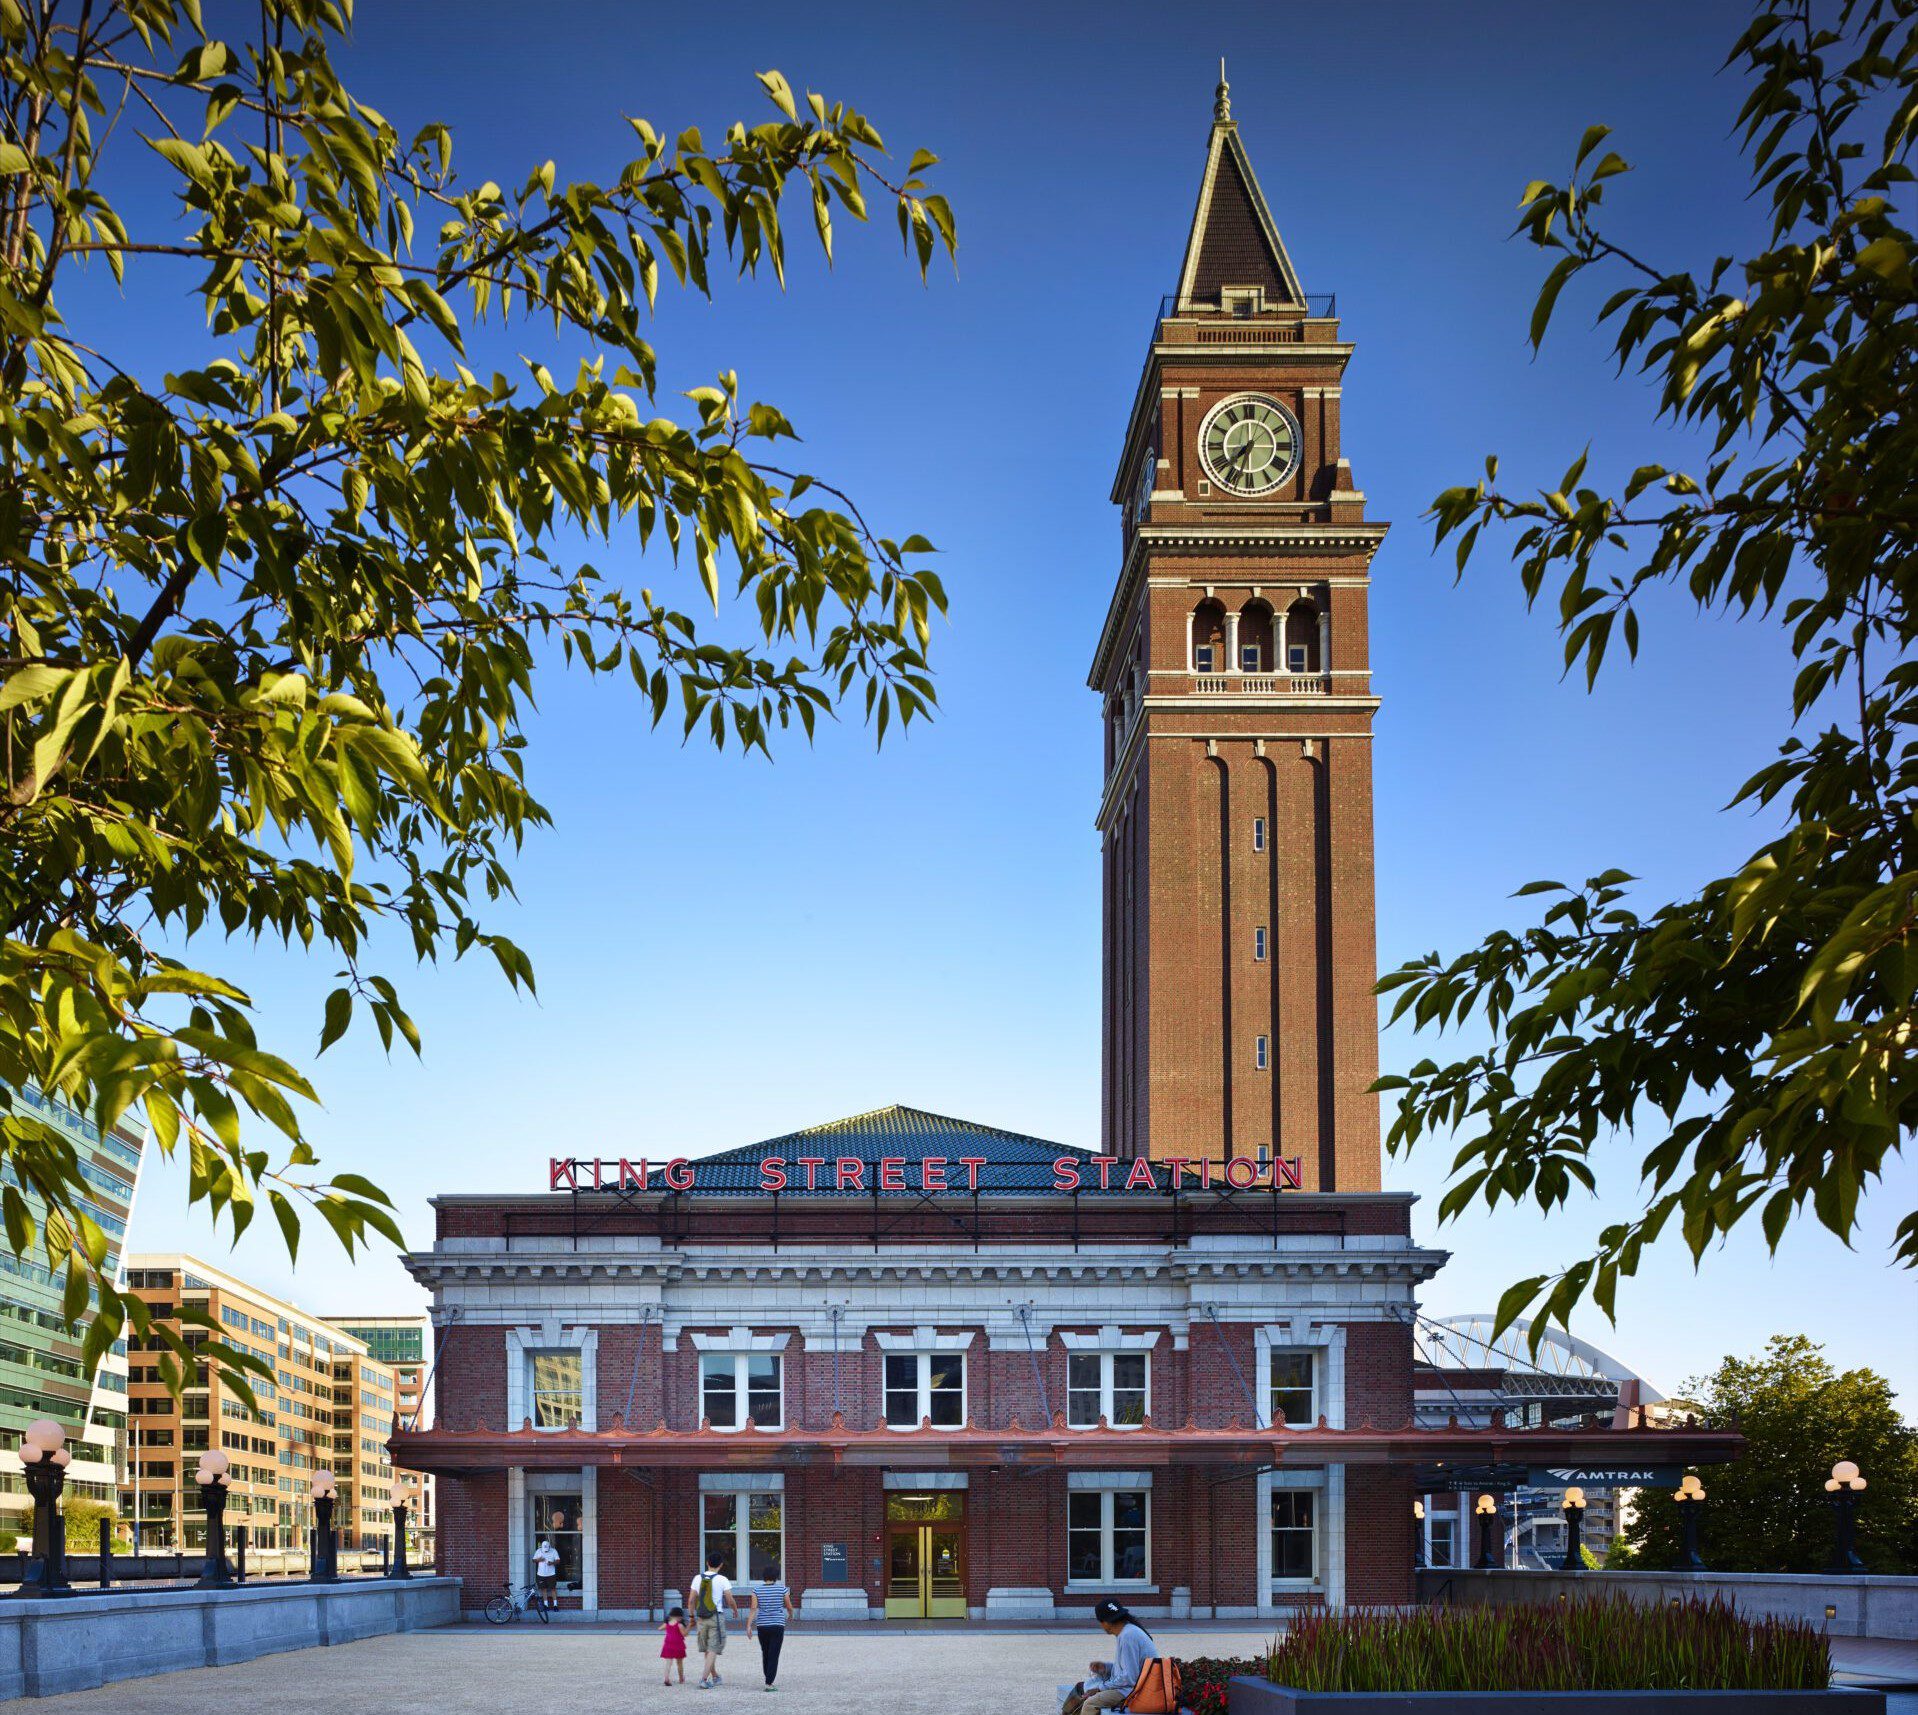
84,1519
1757,1037
278,574
1767,1511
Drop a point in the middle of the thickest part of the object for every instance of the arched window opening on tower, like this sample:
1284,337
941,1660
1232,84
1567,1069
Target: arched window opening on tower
1208,638
1302,645
1255,638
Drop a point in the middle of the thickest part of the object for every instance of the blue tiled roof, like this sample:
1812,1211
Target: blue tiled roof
1015,1163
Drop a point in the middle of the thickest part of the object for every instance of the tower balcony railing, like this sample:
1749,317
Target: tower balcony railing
1262,684
1319,306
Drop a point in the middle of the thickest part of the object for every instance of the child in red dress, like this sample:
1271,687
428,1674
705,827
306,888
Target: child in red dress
672,1644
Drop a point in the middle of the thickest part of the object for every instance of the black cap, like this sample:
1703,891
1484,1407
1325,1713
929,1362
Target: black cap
1105,1611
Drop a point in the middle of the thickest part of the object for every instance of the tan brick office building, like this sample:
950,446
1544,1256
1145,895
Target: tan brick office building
329,1406
935,1369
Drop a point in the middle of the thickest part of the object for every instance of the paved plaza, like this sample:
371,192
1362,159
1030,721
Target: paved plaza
604,1670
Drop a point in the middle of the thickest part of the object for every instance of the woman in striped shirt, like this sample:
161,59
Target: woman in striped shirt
770,1600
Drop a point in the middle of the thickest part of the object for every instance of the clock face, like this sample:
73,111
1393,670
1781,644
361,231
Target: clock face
1250,444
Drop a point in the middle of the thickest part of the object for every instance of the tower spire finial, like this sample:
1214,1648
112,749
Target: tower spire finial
1222,97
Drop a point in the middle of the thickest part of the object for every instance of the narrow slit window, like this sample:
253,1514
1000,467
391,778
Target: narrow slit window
1258,943
1261,1052
1258,833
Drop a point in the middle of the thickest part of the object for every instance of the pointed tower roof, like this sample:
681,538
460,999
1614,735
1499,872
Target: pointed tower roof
1233,241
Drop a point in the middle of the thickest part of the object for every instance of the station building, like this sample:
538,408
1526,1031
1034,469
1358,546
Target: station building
937,1369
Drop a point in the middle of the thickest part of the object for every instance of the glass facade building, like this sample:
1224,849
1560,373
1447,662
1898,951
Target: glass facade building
40,1369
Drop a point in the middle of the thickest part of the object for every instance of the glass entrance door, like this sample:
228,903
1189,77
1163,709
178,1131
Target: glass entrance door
925,1556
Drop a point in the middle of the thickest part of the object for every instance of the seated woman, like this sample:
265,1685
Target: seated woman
1110,1682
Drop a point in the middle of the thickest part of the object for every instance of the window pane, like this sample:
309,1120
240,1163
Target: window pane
1129,1533
1082,1556
1128,1387
765,1554
902,1408
763,1397
902,1372
719,1398
1082,1408
558,1397
762,1512
1292,1392
1292,1534
720,1511
948,1408
947,1371
1082,1509
1082,1370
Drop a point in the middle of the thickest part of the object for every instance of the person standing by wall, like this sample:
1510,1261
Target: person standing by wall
770,1601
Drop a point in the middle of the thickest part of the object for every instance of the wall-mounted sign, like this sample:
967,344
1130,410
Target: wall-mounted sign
834,1567
933,1174
1603,1476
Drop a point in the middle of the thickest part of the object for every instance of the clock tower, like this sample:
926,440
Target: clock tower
1236,813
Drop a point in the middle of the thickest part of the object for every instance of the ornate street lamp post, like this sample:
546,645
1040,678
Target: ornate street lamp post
1690,1496
1418,1533
1844,1485
45,1455
400,1568
326,1560
212,1476
1574,1510
1487,1510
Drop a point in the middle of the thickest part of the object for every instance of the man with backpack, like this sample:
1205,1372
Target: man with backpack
712,1594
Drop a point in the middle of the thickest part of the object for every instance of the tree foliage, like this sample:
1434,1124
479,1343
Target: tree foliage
271,618
1768,1511
1758,1034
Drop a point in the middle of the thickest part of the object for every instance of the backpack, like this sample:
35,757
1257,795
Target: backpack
704,1607
1157,1692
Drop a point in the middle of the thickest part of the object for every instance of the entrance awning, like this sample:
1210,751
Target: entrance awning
453,1451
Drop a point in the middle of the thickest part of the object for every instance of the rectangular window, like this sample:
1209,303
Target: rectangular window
1261,1052
1250,657
734,1386
925,1386
1109,1536
1202,658
1111,1385
743,1531
1441,1539
1295,658
1294,1387
1258,833
1294,1534
559,1390
1258,943
556,1520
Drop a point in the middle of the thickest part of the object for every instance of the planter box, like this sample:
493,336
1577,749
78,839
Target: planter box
1249,1696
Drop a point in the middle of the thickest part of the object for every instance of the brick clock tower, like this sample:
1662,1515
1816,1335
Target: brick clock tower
1237,809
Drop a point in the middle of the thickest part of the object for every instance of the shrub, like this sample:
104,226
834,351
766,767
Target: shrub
1608,1644
1203,1681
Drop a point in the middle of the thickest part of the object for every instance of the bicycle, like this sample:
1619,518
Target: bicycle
510,1605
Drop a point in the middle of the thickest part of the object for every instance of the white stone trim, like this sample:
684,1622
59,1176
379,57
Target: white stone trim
1300,1333
739,1339
1109,1339
927,1339
913,1481
523,1343
1108,1479
1329,1481
742,1482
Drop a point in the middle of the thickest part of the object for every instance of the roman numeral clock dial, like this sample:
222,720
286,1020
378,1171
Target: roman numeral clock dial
1250,444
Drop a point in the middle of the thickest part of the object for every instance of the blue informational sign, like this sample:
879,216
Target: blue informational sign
833,1565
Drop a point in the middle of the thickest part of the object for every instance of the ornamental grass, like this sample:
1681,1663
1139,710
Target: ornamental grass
1604,1644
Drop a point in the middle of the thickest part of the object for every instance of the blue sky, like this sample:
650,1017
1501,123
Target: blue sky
728,948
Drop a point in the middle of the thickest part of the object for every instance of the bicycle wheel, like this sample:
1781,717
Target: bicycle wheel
544,1609
500,1610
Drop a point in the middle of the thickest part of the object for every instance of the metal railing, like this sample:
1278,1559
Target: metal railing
1319,306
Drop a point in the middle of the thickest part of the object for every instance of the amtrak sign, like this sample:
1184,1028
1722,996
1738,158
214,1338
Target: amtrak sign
1603,1476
